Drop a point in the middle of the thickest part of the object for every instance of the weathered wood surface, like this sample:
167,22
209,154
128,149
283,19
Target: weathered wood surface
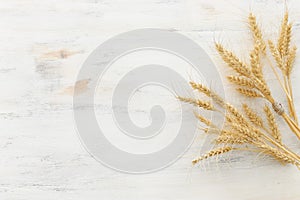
44,43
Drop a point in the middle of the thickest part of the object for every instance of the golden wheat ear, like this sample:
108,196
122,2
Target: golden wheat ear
241,81
214,152
249,93
272,124
233,61
256,33
252,116
204,120
197,102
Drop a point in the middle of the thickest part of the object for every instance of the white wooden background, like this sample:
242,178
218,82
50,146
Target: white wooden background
42,46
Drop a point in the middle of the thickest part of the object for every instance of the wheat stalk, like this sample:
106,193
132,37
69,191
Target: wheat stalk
246,129
284,57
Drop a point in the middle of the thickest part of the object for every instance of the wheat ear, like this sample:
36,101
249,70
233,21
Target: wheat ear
276,55
241,81
282,43
272,124
248,92
256,32
252,116
201,88
203,119
290,61
282,157
196,102
214,152
233,61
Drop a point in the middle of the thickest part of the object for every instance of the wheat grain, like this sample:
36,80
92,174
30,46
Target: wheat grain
201,88
287,41
249,92
290,60
256,32
282,157
276,55
196,102
250,133
231,138
242,81
234,112
203,119
252,116
262,87
214,152
255,62
233,61
272,124
281,45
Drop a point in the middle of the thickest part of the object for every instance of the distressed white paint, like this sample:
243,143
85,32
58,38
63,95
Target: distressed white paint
40,154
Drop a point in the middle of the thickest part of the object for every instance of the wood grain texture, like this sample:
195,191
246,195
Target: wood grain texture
44,43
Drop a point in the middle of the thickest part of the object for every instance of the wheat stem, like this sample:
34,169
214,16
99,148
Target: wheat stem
292,102
294,127
280,146
279,80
